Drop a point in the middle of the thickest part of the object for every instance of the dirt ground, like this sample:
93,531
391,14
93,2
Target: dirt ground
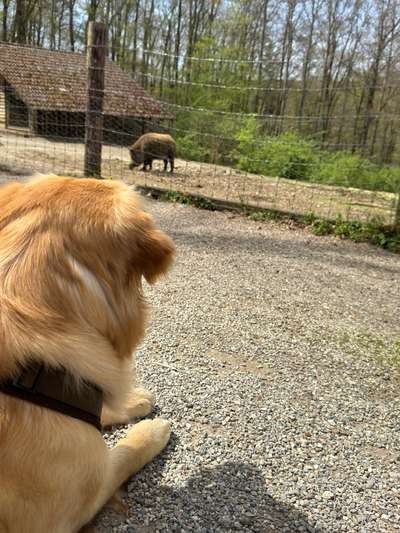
23,155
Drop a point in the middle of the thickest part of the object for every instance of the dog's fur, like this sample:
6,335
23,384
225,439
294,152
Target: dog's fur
72,256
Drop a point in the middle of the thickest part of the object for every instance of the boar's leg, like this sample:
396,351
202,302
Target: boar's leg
147,162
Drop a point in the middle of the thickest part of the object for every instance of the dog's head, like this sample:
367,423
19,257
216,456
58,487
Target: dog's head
73,253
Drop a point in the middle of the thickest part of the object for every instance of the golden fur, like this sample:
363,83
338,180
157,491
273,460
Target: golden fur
72,256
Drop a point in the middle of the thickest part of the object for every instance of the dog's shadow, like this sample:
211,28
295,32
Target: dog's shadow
232,496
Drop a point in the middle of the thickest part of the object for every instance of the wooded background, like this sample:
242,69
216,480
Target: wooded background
251,81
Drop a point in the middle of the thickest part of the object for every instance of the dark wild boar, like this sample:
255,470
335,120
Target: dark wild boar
152,146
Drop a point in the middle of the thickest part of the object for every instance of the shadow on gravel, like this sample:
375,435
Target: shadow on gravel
321,252
12,171
8,174
229,497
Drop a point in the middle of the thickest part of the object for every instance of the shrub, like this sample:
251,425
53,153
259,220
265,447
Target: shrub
287,155
342,168
205,137
387,179
322,227
190,148
372,232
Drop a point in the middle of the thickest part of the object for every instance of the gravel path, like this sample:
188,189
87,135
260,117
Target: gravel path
262,352
269,351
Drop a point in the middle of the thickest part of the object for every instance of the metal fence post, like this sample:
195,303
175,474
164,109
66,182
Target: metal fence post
96,55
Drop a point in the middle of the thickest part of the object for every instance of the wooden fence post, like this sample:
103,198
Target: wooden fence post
96,55
397,215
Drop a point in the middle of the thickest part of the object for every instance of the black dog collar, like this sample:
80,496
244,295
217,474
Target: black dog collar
53,388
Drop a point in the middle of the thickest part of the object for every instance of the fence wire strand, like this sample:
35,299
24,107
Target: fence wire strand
54,142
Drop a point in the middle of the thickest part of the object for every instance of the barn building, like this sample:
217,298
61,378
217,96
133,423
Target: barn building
43,92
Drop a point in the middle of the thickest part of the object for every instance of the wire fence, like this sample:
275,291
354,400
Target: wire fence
211,163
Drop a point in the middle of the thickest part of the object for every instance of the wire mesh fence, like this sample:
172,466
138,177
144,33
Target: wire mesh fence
249,159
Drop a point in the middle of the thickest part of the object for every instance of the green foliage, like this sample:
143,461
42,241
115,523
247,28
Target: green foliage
197,201
189,148
292,157
203,145
266,214
373,232
309,218
387,179
343,169
322,227
351,170
287,155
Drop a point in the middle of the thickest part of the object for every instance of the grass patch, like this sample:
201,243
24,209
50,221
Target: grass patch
380,349
373,232
197,201
265,215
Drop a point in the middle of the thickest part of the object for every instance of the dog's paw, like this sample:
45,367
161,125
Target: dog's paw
161,432
143,393
140,403
153,434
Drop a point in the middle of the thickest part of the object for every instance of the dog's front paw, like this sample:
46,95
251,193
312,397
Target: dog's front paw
161,431
140,403
154,434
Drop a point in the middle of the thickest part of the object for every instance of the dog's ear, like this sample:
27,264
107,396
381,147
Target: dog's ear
150,251
156,254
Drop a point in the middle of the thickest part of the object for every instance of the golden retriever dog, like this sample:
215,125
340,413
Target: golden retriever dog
73,253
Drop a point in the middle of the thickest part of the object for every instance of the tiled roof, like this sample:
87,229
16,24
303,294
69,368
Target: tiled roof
53,80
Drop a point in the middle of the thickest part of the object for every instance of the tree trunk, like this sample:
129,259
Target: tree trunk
20,22
135,37
178,43
307,64
257,100
4,33
71,30
53,24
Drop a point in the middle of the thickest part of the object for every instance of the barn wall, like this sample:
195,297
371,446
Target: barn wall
117,130
121,131
60,124
17,114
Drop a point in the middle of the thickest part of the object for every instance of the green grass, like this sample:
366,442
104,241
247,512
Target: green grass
373,232
197,201
380,349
